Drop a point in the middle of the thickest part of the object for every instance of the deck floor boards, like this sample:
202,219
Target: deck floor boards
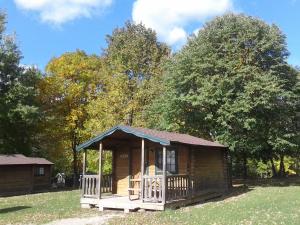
123,202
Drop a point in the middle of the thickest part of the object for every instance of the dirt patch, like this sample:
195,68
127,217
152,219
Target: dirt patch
95,220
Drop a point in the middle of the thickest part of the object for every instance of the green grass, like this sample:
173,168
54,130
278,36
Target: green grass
42,208
257,205
260,205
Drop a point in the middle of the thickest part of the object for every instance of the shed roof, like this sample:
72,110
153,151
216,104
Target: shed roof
162,137
19,159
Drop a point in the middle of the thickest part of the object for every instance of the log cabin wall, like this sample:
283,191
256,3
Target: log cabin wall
42,182
15,179
150,151
183,158
207,166
20,179
208,169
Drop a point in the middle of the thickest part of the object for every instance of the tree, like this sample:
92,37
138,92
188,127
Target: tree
19,109
72,81
230,83
133,68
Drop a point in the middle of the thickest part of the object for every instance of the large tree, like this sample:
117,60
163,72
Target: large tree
133,68
71,82
19,109
232,83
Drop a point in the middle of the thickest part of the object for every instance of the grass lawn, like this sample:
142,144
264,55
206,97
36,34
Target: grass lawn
259,205
256,205
41,208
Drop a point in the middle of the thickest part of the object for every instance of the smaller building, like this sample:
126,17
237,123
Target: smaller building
21,175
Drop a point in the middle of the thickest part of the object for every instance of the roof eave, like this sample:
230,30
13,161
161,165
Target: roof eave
126,130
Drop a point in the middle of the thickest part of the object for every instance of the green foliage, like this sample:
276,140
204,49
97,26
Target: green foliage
93,162
19,108
232,86
231,83
133,68
72,82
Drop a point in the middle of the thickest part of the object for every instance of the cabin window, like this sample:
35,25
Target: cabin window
39,171
172,161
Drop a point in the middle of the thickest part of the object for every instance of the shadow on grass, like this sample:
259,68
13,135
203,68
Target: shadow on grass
269,182
50,190
13,209
234,192
243,186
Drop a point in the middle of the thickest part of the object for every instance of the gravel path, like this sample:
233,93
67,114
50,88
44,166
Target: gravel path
96,220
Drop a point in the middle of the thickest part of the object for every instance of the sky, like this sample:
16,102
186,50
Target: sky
48,28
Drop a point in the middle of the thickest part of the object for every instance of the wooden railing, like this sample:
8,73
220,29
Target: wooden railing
178,187
153,191
90,184
106,184
134,189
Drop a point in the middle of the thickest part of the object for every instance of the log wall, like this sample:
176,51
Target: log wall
20,179
209,169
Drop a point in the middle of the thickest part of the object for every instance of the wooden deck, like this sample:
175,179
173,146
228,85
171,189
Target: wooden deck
123,202
119,202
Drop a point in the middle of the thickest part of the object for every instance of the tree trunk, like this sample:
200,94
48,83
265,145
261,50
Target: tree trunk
273,167
245,171
281,167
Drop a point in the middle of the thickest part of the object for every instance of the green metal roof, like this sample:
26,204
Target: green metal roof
126,129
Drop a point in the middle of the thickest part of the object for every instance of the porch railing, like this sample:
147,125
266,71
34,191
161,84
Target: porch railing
178,187
153,191
106,185
90,184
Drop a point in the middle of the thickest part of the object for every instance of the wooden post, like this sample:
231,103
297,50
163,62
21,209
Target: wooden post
142,168
82,182
84,163
190,191
164,174
100,169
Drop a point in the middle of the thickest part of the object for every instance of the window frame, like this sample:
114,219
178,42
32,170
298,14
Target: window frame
39,171
158,171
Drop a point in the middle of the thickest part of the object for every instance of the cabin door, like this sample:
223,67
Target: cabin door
122,171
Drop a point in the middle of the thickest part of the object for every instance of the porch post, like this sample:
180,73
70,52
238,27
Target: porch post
84,163
164,184
100,169
142,169
82,180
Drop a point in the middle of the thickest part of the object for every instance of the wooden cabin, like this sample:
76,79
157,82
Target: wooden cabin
22,175
153,170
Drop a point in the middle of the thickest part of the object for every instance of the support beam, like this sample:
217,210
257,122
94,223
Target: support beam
84,163
164,184
100,169
142,169
82,181
189,169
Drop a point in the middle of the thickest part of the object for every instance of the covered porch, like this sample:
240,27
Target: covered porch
147,173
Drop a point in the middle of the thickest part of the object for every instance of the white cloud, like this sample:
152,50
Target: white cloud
60,11
170,17
175,35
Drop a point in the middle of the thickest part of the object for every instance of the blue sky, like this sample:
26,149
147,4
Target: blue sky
48,28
